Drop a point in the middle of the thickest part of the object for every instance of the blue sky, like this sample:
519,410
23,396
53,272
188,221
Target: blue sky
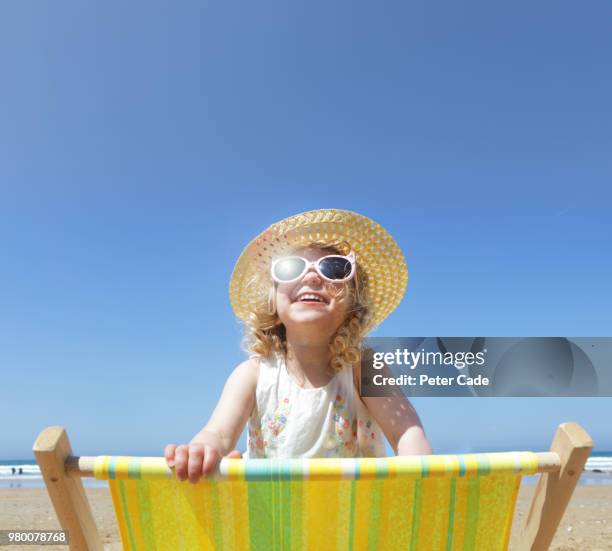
143,145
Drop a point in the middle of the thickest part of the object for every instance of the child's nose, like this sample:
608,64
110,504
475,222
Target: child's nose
311,275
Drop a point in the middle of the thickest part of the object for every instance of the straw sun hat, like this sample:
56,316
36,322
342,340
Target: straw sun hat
375,250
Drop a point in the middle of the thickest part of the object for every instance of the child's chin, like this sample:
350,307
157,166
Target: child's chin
309,316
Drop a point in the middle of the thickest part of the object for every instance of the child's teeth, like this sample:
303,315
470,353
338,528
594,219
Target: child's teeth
311,297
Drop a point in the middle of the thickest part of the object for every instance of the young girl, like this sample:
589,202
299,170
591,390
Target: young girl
308,289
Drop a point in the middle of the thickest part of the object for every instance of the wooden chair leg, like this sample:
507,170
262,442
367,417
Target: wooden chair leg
554,490
51,449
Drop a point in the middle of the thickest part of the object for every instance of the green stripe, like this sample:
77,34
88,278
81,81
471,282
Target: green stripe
216,517
146,517
276,529
424,467
382,472
484,464
451,514
374,520
352,517
382,468
259,501
134,468
286,513
416,513
282,527
462,467
126,514
473,502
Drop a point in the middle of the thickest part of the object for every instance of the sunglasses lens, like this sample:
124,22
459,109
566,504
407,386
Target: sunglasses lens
335,267
288,269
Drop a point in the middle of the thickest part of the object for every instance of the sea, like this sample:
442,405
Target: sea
24,473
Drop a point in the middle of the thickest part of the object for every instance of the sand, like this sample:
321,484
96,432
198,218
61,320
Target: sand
586,526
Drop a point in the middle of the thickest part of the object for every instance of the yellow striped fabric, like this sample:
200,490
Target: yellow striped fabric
425,503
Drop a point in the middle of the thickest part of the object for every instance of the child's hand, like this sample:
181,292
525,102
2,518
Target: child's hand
194,460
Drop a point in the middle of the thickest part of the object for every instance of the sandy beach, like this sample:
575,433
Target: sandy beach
586,526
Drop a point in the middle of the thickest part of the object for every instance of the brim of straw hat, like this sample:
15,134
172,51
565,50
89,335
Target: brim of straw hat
376,251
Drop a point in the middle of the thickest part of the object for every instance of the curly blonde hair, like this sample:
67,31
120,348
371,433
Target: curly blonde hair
265,335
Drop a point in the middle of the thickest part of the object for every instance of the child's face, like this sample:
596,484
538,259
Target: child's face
294,307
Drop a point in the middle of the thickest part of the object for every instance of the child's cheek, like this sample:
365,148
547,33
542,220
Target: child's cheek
282,302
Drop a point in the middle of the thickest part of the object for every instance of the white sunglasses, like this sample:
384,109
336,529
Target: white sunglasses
334,267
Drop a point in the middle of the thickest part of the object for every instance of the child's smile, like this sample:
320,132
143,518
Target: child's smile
311,298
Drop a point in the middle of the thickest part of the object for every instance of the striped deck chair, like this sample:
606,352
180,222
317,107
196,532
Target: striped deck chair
437,502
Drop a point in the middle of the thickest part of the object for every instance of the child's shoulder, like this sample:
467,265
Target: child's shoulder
246,373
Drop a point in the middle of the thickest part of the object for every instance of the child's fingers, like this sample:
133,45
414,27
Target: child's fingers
235,454
181,455
211,457
169,454
196,456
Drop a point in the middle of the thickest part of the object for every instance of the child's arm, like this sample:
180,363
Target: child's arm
401,424
399,421
220,434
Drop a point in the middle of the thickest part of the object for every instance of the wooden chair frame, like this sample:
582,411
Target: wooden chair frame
62,473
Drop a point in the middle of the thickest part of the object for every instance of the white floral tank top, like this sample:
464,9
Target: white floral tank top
290,421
